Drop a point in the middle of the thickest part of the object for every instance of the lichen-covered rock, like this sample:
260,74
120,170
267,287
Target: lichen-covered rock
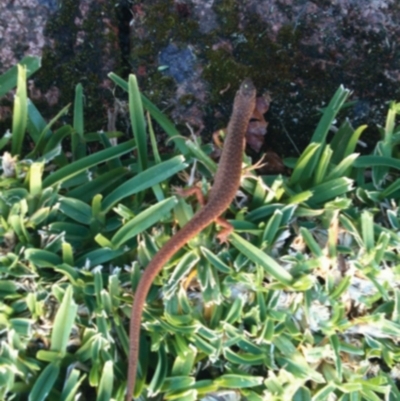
78,41
190,56
22,25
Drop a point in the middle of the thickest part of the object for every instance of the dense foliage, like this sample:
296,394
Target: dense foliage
304,304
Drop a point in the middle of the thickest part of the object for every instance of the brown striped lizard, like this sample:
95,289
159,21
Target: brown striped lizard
226,184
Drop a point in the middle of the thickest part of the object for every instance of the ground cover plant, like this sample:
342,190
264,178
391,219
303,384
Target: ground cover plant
304,304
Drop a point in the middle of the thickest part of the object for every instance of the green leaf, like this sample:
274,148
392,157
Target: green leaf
153,140
323,393
302,169
178,383
143,221
351,146
294,361
329,115
183,268
20,113
35,179
72,385
78,141
390,190
8,80
5,139
272,227
63,322
21,326
72,231
160,374
372,161
182,395
106,382
321,132
67,270
300,198
54,140
350,227
367,229
76,210
334,340
42,258
73,169
99,257
215,261
78,123
87,191
264,211
202,345
48,356
343,168
44,382
259,257
146,179
342,137
45,134
157,114
311,242
185,360
238,381
36,123
323,164
243,358
7,288
330,190
341,287
137,121
200,155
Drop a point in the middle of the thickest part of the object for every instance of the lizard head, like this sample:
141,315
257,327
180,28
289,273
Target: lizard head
247,88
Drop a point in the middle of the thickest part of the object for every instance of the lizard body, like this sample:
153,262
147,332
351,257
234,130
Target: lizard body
226,184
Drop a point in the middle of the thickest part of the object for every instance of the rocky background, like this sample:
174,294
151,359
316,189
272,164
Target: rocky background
191,55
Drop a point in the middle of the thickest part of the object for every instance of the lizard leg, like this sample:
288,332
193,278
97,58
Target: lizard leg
225,232
190,191
216,138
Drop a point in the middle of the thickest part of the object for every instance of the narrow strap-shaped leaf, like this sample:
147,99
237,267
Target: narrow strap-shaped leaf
161,372
79,166
261,258
146,179
137,121
157,114
63,322
45,382
143,221
8,80
106,382
20,112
